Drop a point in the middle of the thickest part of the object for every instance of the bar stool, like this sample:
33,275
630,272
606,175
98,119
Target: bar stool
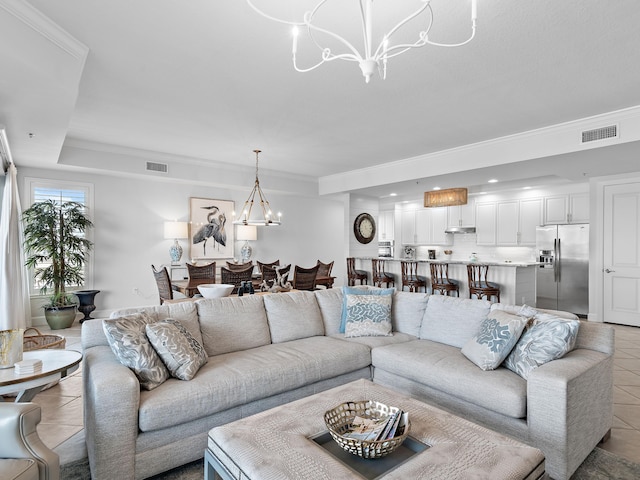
410,277
353,275
379,276
440,280
478,284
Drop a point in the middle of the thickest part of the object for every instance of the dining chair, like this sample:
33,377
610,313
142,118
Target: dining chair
354,275
324,280
267,270
440,281
410,277
379,275
238,266
236,277
163,281
305,278
202,271
478,284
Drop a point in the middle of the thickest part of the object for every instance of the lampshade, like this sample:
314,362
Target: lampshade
445,198
246,232
176,230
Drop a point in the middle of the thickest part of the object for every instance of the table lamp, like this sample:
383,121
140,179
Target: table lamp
246,233
176,230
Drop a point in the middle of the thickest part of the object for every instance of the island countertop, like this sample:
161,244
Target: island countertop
453,261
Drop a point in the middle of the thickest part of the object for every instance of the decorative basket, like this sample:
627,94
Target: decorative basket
40,341
339,421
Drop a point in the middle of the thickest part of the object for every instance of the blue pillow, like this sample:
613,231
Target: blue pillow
358,291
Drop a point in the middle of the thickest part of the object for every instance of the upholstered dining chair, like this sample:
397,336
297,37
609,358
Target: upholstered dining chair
305,278
478,284
202,271
236,277
410,277
23,455
354,275
163,281
440,281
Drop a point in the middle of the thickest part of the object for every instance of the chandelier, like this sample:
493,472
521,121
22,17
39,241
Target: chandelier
267,219
373,57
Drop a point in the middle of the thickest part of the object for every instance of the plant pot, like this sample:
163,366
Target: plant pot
86,299
60,317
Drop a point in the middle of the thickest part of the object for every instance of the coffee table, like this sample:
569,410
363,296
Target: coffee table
279,444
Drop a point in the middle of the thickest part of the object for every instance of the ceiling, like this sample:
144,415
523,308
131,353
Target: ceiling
209,81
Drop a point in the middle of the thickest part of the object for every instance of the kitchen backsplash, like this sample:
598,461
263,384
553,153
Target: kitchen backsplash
464,245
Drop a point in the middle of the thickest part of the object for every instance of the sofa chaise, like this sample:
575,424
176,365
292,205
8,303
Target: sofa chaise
267,350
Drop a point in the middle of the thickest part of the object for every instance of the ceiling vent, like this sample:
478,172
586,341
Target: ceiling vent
157,167
600,134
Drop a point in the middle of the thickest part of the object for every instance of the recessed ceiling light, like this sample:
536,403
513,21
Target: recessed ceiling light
393,194
436,188
526,188
493,180
483,193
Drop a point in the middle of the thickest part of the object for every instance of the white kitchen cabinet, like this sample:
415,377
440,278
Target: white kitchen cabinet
507,223
438,226
386,226
462,215
573,208
408,227
425,226
486,223
530,217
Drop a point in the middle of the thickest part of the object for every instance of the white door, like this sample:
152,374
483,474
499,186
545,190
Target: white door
622,254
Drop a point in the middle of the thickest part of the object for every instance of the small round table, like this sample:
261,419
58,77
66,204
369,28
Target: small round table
56,364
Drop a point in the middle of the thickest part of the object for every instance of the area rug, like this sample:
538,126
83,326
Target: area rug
599,465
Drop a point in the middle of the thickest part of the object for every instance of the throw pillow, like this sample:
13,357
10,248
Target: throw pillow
128,341
499,332
368,315
547,338
359,290
180,352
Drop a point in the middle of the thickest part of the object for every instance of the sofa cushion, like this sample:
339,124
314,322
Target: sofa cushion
359,290
129,343
444,368
231,324
373,342
330,303
185,312
453,320
527,311
547,338
177,348
293,315
407,312
498,334
368,315
238,378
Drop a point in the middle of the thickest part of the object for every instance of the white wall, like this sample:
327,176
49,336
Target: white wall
128,234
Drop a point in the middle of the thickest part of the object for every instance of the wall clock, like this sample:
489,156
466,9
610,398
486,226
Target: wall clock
364,228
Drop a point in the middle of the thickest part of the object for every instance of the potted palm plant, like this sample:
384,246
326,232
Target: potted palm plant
57,249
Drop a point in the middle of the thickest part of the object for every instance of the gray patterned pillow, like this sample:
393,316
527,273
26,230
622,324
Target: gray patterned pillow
499,332
368,315
180,352
547,338
128,340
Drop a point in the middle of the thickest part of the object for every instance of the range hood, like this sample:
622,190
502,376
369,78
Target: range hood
460,230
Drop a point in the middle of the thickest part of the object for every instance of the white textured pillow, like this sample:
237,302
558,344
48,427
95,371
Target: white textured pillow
128,340
180,352
368,315
547,338
451,320
499,332
407,312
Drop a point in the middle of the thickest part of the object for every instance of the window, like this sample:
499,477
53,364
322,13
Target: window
65,191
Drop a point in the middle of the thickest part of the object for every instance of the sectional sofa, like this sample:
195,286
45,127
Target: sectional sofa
267,350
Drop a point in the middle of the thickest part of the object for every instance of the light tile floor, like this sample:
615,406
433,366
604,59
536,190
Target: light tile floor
61,426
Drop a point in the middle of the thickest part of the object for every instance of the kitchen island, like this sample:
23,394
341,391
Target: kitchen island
517,279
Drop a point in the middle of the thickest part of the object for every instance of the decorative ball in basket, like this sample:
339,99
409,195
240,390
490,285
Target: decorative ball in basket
367,428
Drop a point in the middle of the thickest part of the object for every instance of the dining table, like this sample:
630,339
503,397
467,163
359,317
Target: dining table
189,287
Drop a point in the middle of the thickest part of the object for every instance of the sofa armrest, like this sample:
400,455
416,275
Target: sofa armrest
18,422
570,408
111,403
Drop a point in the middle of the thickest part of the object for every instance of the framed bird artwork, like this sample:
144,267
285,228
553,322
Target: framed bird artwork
210,228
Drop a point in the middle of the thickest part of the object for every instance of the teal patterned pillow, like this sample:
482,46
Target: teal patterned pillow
547,338
128,341
368,315
499,332
359,290
180,352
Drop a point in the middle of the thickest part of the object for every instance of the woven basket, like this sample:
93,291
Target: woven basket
339,422
40,341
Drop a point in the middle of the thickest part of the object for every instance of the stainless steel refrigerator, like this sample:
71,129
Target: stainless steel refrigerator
562,279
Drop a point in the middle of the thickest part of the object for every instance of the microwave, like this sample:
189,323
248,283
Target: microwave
385,249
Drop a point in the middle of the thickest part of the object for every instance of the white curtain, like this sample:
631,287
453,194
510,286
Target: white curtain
15,309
